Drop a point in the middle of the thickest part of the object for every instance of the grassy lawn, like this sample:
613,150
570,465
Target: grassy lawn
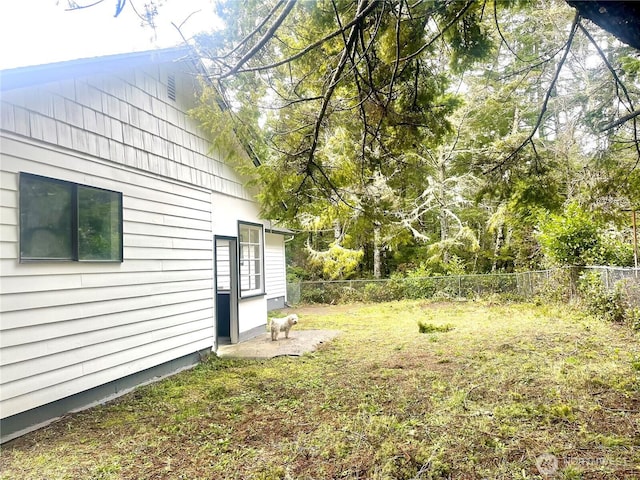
483,393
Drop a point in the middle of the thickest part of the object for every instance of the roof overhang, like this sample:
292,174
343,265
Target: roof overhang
52,72
270,228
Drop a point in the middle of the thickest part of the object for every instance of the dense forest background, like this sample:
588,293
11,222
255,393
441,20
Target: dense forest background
440,137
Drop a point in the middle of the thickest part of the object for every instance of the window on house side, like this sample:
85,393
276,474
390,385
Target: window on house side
251,260
66,221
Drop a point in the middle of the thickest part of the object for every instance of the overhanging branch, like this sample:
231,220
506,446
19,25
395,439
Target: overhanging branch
620,121
547,97
263,41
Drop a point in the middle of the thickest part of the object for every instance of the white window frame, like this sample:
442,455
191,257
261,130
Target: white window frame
251,259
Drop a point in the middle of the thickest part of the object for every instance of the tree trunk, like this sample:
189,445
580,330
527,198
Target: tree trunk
496,250
337,232
444,234
516,121
444,220
376,251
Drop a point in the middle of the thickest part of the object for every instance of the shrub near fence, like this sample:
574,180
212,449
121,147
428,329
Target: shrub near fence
626,281
523,285
554,284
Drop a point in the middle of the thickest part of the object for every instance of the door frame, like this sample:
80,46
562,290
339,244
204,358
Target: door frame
234,330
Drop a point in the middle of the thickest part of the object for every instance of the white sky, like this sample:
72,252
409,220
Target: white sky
41,31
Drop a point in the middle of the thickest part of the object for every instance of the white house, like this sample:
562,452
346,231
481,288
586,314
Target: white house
127,249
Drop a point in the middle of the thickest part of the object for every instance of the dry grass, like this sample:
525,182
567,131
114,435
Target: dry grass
484,399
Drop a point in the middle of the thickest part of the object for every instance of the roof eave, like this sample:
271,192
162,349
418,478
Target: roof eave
22,77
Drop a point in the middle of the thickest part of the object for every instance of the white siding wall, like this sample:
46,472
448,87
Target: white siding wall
275,266
71,326
253,311
67,327
228,211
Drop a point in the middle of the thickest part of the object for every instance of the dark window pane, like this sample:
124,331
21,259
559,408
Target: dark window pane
99,235
45,219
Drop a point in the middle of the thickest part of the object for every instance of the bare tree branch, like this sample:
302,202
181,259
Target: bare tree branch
261,43
394,71
633,114
453,21
396,64
335,79
311,46
119,6
545,103
255,30
608,65
74,6
513,52
621,120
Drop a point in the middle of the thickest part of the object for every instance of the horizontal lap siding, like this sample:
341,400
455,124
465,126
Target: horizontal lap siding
78,380
67,327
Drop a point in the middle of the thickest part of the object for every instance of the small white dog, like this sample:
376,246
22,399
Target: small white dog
282,325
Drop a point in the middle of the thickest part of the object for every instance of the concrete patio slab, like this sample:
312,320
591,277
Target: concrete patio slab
262,347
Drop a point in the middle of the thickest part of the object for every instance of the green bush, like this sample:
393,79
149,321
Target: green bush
633,318
415,288
555,289
600,301
348,294
612,250
313,295
424,327
416,284
631,293
569,238
382,292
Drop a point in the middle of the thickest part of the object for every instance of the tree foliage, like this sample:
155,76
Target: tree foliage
452,135
569,238
373,84
447,132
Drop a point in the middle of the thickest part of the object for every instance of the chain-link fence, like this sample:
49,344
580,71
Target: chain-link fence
524,284
294,296
559,283
627,280
612,275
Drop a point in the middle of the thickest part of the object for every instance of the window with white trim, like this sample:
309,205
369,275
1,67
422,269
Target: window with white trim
66,221
251,259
